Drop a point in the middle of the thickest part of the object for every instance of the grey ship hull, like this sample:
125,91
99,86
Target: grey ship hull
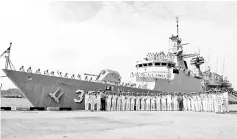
36,88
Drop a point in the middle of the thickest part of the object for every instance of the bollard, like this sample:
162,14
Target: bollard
52,108
6,108
37,108
65,109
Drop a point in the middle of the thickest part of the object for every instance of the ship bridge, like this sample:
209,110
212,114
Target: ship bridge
155,65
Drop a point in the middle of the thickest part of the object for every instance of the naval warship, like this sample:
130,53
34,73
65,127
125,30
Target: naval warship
155,73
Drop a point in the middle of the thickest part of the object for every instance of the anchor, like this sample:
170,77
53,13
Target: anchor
56,95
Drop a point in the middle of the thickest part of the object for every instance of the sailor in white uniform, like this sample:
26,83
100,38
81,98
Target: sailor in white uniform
169,102
93,101
158,102
143,97
98,105
138,102
128,102
109,101
123,101
132,101
195,102
215,107
115,97
163,101
119,101
225,101
175,101
199,102
204,101
148,102
210,103
192,102
220,102
87,101
153,102
185,102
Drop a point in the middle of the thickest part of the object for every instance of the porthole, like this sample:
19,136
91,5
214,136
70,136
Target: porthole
29,77
58,82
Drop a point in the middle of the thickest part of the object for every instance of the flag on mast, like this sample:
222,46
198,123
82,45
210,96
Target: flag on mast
6,51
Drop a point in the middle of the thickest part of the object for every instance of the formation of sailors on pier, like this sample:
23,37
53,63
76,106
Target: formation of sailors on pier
200,102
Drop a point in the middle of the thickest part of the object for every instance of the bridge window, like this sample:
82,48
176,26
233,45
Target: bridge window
157,64
169,65
163,64
144,65
140,65
149,64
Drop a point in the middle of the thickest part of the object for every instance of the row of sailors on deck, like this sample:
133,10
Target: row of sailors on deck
160,56
87,78
108,101
46,72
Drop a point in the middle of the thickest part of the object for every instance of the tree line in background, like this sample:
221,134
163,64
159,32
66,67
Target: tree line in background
13,92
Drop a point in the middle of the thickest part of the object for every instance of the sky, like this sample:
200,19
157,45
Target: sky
87,37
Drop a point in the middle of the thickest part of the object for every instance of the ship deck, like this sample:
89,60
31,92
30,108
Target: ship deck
117,125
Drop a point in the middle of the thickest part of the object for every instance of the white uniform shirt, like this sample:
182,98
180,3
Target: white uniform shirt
169,98
152,99
214,97
123,98
115,98
98,98
128,99
109,98
225,95
174,99
138,99
87,97
142,99
132,99
163,99
119,99
158,99
148,99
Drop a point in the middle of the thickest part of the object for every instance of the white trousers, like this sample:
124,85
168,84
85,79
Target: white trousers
98,105
169,106
137,106
142,105
153,106
108,105
128,106
123,105
132,106
148,105
119,106
86,105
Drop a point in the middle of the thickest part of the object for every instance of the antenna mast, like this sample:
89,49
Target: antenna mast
216,64
223,67
177,21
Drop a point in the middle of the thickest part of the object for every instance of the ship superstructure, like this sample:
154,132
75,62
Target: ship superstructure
164,68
